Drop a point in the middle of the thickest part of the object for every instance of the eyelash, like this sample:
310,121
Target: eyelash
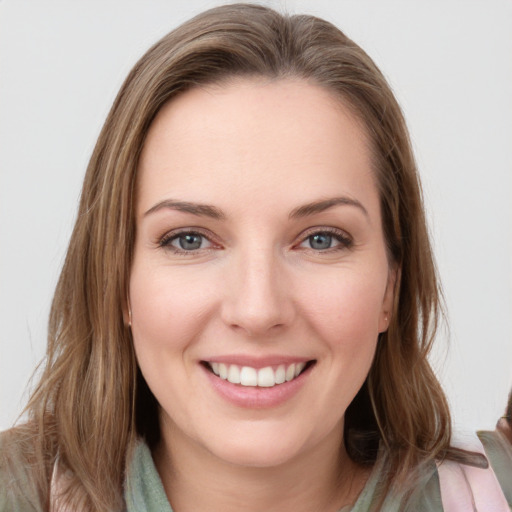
166,241
343,239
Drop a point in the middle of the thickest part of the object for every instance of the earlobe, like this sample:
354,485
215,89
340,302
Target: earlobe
384,322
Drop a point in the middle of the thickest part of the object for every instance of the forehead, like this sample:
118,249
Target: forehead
277,139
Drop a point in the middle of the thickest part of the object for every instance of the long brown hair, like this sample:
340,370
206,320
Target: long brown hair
91,402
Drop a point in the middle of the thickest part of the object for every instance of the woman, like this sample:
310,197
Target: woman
249,297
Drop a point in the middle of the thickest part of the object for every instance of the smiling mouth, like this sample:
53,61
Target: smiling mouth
266,377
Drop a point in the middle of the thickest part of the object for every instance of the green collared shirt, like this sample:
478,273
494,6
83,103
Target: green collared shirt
144,491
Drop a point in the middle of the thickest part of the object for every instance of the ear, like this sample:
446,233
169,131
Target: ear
389,298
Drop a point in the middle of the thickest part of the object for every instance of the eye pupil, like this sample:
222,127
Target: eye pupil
320,241
190,241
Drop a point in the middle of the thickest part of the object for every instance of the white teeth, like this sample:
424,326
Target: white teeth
280,374
264,377
290,372
223,371
248,376
234,374
298,368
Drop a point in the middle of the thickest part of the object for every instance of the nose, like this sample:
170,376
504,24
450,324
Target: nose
258,298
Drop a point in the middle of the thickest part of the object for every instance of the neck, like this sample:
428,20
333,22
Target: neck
323,479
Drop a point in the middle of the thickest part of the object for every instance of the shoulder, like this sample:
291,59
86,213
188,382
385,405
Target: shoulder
17,489
466,487
456,486
498,450
419,493
423,496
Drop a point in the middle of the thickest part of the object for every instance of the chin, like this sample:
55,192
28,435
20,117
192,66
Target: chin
258,449
256,456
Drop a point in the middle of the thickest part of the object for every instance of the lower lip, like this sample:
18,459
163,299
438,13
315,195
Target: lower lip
252,397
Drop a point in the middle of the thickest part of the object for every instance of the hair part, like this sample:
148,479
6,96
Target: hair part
92,402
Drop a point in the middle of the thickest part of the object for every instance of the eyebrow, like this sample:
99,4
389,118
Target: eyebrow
325,204
213,212
204,210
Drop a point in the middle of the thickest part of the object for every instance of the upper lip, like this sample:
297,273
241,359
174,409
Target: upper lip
258,361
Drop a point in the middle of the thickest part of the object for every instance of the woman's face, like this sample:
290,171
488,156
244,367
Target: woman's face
260,280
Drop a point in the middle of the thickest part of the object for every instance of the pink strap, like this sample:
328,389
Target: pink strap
469,489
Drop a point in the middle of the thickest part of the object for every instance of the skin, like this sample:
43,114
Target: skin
257,151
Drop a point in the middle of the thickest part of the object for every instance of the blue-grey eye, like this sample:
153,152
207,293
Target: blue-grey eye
320,241
190,241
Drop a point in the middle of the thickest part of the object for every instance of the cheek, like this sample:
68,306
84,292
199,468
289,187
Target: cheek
169,312
346,309
344,316
168,308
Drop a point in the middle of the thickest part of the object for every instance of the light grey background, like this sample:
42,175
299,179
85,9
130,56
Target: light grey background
450,64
